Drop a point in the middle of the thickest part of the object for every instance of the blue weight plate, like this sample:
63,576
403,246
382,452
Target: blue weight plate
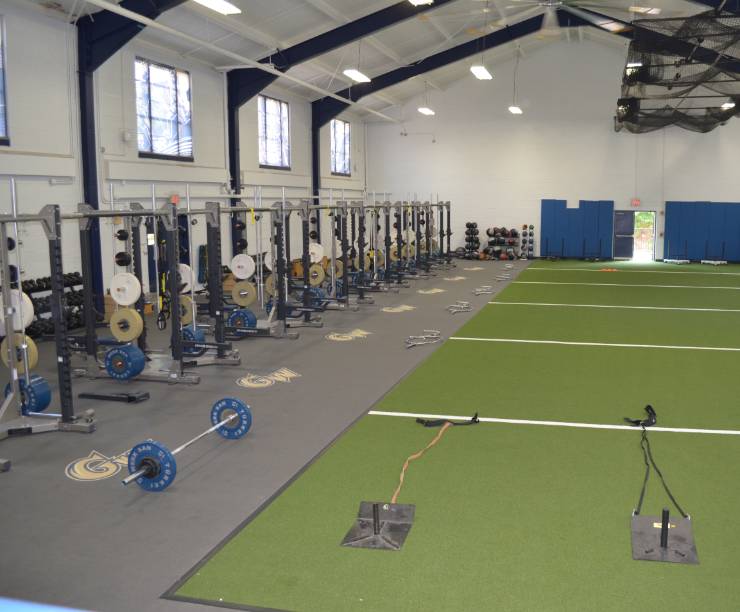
243,317
35,397
224,408
125,362
193,334
158,456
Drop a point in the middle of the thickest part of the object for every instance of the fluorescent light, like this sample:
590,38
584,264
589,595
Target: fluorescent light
644,10
421,2
481,72
356,75
728,105
425,110
634,64
220,6
515,110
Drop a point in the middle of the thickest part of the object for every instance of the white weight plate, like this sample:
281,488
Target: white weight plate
243,266
315,252
186,277
125,289
267,260
18,299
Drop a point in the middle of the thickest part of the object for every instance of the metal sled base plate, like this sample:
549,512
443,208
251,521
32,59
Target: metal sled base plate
386,531
646,540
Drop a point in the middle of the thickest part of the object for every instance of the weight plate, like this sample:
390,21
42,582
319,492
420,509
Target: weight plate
237,428
315,252
242,317
35,397
125,289
33,353
316,275
338,268
267,261
296,268
159,459
186,310
394,253
186,277
22,311
126,324
194,334
270,285
243,266
244,293
125,362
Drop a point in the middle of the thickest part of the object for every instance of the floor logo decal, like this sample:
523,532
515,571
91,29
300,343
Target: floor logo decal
456,278
96,466
431,291
262,381
347,337
474,269
401,308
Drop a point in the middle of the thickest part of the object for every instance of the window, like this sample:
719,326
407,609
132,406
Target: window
340,141
163,113
4,140
274,133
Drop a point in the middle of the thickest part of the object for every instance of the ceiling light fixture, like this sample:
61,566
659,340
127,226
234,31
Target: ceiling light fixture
728,105
220,6
634,64
425,110
644,10
421,2
356,75
515,110
480,72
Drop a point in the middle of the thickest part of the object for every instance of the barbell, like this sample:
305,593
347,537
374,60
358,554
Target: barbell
153,466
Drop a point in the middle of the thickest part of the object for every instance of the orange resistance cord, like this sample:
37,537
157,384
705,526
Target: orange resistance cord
437,438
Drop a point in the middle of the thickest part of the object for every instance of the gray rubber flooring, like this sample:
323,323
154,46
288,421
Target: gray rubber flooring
99,546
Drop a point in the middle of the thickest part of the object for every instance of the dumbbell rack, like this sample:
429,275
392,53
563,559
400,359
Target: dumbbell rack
39,310
527,244
12,419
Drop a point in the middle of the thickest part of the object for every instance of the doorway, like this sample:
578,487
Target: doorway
634,235
644,236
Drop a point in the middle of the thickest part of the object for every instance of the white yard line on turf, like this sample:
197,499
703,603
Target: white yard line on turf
615,306
608,344
635,271
413,415
623,285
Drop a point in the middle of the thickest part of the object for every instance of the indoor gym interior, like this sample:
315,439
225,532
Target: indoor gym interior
321,305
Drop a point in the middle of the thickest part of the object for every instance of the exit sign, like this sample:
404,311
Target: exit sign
635,202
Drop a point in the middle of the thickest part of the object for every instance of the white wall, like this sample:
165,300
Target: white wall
496,167
43,129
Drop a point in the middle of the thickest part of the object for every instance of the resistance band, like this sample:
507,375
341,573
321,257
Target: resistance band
445,424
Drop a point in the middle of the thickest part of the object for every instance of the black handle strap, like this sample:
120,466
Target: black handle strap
647,455
439,422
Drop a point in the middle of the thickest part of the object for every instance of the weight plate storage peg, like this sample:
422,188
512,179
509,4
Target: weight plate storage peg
125,289
243,318
125,362
35,397
154,467
243,266
126,324
244,293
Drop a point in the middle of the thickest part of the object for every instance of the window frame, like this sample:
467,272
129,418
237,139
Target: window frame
332,158
4,139
164,156
262,166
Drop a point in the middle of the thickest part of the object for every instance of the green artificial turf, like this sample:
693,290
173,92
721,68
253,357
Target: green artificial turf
516,517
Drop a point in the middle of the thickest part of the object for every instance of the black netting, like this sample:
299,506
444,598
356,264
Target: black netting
688,67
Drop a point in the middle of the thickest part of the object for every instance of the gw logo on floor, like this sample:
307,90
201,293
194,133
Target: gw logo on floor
401,308
258,381
96,466
348,337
